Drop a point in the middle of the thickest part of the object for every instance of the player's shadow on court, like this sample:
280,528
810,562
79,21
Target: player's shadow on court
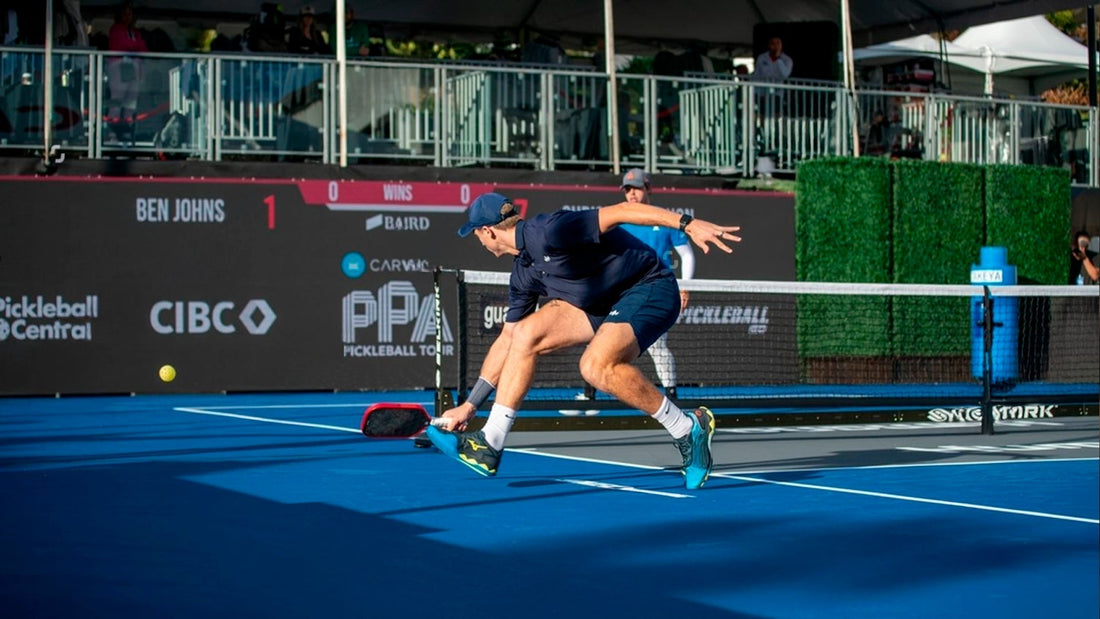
142,540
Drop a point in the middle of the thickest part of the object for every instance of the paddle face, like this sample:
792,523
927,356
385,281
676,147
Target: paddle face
388,420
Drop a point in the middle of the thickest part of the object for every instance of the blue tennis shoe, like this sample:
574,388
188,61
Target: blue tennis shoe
469,448
695,448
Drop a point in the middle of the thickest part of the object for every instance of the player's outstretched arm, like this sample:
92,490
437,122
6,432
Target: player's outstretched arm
701,232
491,368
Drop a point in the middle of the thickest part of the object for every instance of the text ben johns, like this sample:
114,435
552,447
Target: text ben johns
180,210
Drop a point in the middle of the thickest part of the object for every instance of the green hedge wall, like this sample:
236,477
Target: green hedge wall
938,232
842,231
842,220
869,220
1028,211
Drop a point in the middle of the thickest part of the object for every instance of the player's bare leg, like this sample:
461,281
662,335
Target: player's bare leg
606,364
554,326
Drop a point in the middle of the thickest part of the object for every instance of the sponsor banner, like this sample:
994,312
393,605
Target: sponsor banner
1000,413
47,317
280,285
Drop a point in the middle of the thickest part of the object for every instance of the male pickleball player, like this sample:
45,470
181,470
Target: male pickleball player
606,289
664,241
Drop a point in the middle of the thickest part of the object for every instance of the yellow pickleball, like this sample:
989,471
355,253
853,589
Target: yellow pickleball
167,373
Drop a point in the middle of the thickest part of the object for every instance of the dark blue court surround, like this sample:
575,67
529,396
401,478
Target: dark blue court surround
275,506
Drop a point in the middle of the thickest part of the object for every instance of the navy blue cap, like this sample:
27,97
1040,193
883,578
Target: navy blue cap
487,210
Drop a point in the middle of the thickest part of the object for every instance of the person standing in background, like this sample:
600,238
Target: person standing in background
124,72
664,241
773,64
1084,264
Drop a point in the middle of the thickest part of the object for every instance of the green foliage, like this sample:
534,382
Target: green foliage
868,220
938,221
1064,21
1028,211
842,232
842,220
938,232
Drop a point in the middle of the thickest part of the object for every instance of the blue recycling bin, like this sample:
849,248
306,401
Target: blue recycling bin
994,270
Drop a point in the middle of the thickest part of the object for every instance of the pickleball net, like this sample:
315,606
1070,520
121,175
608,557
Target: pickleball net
831,347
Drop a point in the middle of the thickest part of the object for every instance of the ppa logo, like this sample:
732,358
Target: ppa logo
197,317
395,321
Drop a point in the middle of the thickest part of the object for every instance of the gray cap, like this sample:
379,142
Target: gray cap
635,177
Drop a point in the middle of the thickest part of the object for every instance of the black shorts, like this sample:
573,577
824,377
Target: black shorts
650,308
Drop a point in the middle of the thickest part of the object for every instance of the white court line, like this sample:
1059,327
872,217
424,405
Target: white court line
882,495
606,486
905,466
790,484
274,406
900,497
321,426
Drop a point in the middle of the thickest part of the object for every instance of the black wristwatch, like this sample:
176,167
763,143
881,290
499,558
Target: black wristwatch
685,219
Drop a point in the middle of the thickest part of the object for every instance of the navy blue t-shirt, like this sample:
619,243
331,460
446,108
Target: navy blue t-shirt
563,256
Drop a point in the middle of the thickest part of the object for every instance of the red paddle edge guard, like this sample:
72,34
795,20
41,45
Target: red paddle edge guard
391,405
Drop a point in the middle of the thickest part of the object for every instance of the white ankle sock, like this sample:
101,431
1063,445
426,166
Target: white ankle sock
673,419
499,424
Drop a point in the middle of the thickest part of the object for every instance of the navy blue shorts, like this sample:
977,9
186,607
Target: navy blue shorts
650,308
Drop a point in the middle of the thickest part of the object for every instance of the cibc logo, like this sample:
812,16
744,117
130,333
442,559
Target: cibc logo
196,317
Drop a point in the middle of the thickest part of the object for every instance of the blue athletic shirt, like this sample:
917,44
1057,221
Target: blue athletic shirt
563,256
661,239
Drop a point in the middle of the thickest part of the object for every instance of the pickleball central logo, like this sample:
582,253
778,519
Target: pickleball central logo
47,317
394,321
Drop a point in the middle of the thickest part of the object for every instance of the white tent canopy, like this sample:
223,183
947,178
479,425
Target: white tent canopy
923,46
1026,54
1020,44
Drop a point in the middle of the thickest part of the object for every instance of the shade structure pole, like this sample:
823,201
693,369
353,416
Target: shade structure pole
342,81
849,70
47,86
612,83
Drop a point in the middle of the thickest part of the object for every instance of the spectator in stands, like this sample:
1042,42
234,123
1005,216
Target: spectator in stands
9,24
878,136
305,37
68,24
357,38
544,49
891,138
773,64
124,73
267,30
1084,264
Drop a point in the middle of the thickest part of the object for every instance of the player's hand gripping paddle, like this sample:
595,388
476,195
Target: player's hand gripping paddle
388,420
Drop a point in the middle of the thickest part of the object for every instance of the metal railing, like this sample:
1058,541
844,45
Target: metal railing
245,106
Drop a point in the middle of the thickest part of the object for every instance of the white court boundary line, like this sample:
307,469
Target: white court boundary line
320,426
759,480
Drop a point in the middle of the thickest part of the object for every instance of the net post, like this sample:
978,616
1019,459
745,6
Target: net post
987,362
460,335
443,399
